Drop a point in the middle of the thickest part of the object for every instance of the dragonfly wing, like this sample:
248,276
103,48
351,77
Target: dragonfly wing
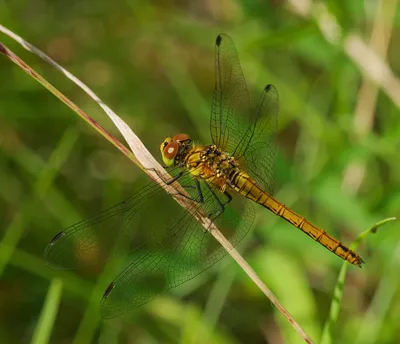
185,250
230,111
259,157
92,241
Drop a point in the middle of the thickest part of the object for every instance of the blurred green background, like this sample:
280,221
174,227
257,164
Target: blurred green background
152,63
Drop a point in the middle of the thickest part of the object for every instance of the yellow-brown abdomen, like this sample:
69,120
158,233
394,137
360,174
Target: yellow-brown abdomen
247,187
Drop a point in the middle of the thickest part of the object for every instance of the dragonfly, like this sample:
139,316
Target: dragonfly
166,245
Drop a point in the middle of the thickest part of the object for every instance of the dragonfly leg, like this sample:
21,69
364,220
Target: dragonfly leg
199,192
228,196
221,204
198,197
166,181
197,187
174,179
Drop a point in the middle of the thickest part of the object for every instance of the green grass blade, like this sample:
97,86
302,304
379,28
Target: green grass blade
48,315
338,291
44,182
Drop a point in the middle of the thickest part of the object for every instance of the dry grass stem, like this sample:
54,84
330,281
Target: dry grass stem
368,94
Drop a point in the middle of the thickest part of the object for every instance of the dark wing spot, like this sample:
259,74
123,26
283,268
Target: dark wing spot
268,87
108,290
56,238
219,40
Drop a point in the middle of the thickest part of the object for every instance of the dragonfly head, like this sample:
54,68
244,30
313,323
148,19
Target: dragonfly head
172,147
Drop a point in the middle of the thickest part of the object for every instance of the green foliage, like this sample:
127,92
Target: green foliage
152,63
49,312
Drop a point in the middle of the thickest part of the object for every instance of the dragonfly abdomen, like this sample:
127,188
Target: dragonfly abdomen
247,187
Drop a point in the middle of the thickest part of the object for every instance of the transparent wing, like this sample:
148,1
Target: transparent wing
166,245
259,157
185,250
91,242
230,112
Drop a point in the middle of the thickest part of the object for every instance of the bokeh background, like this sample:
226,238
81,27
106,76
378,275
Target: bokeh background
152,62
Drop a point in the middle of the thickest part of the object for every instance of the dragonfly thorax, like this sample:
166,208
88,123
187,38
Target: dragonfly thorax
211,164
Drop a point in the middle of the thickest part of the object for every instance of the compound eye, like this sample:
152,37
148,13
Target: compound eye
181,137
164,143
171,150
